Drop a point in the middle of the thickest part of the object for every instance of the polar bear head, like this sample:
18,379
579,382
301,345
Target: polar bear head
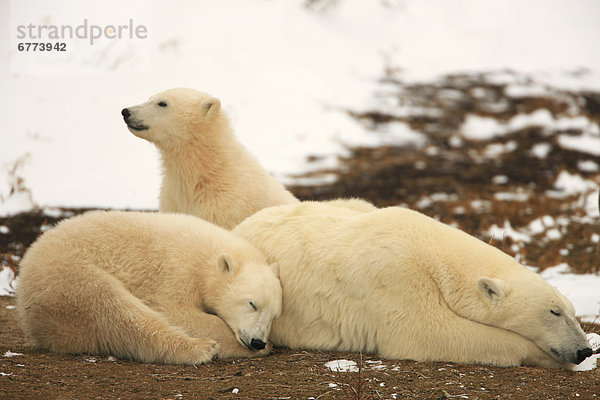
529,306
172,117
248,298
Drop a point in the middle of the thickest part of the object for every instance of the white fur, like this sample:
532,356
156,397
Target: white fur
400,284
206,171
151,287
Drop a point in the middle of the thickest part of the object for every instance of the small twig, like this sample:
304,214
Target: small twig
451,396
420,374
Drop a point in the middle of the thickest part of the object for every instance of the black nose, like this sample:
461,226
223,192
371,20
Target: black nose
257,344
583,354
125,113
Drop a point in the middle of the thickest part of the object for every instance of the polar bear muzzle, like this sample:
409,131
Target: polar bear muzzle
257,344
131,122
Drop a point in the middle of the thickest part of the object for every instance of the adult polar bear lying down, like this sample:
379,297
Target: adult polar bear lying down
400,284
151,287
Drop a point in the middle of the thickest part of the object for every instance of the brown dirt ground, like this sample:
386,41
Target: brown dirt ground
461,174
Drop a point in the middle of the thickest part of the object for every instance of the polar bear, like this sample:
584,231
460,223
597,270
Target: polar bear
206,171
162,288
398,283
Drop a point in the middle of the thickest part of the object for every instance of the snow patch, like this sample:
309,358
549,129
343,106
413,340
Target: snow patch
500,180
592,361
12,354
588,165
476,127
568,184
541,150
16,203
531,90
587,142
480,128
8,283
541,224
496,149
511,196
507,231
342,366
553,234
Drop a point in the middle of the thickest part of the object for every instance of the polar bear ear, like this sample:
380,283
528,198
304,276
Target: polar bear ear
210,107
225,265
275,268
492,289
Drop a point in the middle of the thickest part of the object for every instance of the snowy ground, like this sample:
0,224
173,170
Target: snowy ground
287,74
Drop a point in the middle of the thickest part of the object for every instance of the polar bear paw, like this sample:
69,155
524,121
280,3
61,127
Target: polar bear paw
204,350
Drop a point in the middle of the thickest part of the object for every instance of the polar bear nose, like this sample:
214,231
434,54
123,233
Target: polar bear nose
257,344
125,113
581,354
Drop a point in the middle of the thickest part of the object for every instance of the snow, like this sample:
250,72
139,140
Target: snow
588,166
553,234
507,231
15,203
379,365
286,75
569,184
342,366
500,180
590,362
476,127
527,90
480,128
399,133
11,354
541,150
511,196
8,282
496,149
586,143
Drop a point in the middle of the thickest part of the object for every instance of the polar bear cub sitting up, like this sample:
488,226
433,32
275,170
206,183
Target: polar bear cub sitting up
398,283
206,171
151,287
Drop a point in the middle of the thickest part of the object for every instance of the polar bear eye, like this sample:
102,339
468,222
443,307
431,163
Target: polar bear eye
162,104
253,306
556,313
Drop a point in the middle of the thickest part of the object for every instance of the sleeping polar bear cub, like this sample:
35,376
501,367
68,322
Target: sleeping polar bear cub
206,171
400,284
161,288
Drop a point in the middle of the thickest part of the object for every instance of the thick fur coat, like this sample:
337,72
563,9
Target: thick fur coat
400,284
161,288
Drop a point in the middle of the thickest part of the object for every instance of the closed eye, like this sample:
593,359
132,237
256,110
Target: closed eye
162,104
556,313
253,306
